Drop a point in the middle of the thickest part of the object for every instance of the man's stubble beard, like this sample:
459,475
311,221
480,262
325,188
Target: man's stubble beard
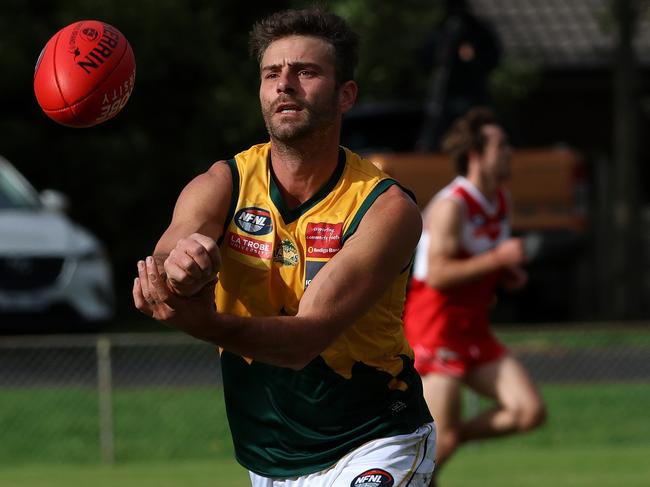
320,119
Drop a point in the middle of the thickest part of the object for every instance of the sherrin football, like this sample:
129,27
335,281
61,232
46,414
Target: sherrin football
84,74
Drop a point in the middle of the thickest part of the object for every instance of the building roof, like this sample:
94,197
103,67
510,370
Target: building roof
560,33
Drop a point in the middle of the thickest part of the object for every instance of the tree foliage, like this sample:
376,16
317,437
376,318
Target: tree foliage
393,63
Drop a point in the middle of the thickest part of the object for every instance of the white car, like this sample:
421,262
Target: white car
53,273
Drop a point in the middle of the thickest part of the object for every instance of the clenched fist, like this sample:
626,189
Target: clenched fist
192,264
510,252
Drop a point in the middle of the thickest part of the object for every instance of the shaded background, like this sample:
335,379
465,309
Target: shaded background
561,72
557,72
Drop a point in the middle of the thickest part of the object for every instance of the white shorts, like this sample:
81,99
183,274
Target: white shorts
397,461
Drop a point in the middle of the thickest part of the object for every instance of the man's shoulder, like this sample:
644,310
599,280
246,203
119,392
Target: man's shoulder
452,197
363,166
254,152
395,210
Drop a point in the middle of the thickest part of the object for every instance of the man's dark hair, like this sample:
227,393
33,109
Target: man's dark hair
314,22
466,135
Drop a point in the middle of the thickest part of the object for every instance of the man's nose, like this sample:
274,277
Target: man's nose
286,83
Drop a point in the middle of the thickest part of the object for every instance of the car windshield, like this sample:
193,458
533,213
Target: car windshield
15,192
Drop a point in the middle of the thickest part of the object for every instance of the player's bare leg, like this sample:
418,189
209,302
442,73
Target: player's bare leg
519,405
443,395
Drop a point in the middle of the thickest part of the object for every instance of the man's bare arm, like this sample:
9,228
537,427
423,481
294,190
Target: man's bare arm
446,269
344,289
201,209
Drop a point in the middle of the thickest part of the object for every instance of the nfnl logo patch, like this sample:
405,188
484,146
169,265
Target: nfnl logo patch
375,477
255,221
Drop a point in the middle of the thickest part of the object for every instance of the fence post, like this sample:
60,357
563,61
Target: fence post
104,382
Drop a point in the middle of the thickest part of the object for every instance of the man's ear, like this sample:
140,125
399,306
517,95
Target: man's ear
348,95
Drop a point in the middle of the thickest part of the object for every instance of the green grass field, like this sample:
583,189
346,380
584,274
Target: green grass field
494,464
597,436
576,337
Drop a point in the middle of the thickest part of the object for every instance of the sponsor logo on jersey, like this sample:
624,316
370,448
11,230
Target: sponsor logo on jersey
375,477
250,246
489,229
286,254
445,354
255,221
398,406
312,268
478,220
323,239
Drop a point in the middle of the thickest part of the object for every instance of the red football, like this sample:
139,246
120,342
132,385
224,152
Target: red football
85,74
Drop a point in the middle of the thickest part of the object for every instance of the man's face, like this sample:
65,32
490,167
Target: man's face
496,153
298,92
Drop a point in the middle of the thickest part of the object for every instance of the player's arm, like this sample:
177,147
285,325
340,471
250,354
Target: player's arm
200,212
342,291
444,225
362,271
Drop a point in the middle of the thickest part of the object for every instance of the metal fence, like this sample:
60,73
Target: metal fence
59,393
110,398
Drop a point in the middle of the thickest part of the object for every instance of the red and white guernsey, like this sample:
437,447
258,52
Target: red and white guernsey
455,321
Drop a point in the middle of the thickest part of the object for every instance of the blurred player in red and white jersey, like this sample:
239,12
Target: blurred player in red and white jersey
464,253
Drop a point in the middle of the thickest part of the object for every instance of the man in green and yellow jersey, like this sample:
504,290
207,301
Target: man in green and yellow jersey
293,258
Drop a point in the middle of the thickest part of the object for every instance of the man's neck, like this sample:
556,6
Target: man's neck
300,171
486,186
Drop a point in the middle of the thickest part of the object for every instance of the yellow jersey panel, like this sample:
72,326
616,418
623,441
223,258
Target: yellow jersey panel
363,385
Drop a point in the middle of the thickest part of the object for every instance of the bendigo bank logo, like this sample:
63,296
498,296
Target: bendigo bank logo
323,239
255,221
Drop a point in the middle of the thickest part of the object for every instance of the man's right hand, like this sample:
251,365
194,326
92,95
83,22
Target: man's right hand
192,264
510,252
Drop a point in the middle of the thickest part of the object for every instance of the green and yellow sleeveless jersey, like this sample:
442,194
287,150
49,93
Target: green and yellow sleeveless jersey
363,386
